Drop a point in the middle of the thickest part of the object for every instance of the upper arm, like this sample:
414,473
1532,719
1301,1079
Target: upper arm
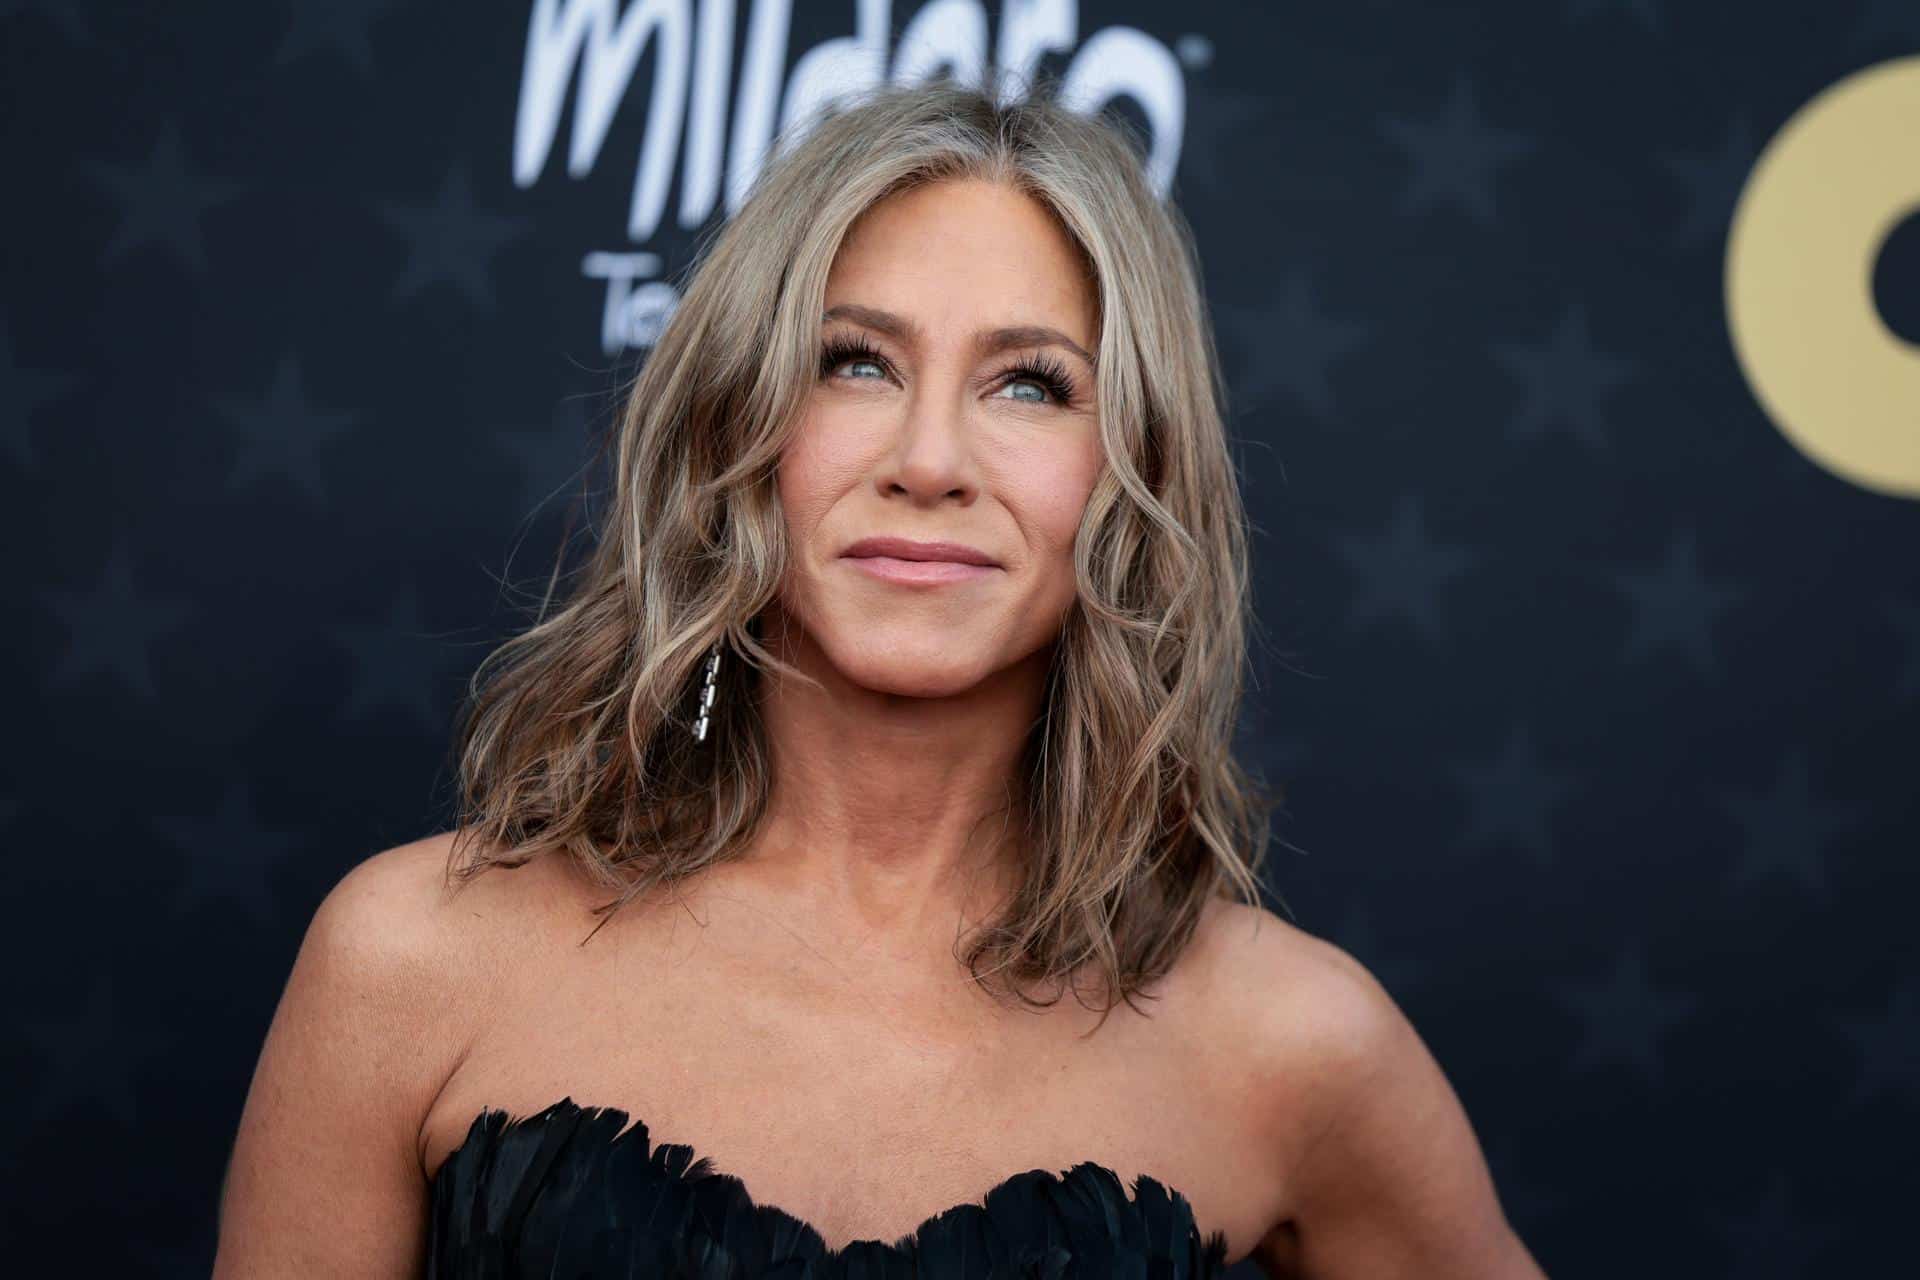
1391,1181
325,1175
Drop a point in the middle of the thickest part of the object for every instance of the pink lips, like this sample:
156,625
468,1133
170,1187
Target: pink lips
905,561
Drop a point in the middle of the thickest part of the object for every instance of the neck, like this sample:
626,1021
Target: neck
895,822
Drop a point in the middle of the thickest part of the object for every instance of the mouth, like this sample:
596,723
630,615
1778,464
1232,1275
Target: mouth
918,572
905,561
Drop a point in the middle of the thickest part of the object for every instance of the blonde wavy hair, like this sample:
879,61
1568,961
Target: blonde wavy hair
574,738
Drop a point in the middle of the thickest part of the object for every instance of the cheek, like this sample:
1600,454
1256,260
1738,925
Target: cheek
1048,490
815,470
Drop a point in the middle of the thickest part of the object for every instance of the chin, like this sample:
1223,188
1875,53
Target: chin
912,666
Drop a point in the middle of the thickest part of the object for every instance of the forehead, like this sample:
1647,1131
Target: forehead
969,252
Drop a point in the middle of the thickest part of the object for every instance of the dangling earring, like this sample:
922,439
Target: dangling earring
706,695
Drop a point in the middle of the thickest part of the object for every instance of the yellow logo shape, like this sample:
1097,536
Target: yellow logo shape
1810,223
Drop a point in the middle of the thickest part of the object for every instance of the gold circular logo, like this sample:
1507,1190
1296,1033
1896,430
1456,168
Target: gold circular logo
1807,229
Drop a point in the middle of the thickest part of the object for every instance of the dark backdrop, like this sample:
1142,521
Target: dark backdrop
1596,700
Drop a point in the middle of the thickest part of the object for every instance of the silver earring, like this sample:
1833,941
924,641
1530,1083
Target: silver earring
706,695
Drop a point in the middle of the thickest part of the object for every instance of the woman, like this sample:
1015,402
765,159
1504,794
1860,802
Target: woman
893,706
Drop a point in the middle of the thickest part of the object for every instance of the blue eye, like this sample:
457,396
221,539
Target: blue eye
839,350
1049,373
1041,369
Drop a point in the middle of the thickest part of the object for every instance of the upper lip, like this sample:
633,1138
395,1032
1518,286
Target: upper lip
908,549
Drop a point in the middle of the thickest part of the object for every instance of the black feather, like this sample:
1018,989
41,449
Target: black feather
572,1193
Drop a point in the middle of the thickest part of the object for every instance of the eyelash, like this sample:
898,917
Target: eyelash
1041,368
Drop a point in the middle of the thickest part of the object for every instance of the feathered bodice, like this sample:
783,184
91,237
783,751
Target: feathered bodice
565,1193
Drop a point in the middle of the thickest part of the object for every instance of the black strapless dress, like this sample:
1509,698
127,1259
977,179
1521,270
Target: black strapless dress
564,1194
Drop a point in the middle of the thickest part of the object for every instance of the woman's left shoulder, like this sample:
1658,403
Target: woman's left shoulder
1295,1004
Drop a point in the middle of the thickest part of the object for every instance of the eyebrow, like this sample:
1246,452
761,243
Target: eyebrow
985,342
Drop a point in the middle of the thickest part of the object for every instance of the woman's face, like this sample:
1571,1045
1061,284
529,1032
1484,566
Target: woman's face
924,427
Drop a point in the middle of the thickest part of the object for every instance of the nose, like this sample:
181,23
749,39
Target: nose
931,460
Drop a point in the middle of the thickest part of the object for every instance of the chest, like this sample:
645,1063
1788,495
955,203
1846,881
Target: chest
860,1107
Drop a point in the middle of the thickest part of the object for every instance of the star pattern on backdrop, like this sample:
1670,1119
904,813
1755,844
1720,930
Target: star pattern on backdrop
1400,572
1289,344
1712,179
1468,276
1392,961
451,241
550,462
1524,1185
1787,830
230,857
1675,606
1886,1043
281,432
23,393
1645,12
1565,380
1456,156
339,27
397,663
1227,131
1623,1017
1773,1236
63,15
162,202
112,626
1511,798
89,1055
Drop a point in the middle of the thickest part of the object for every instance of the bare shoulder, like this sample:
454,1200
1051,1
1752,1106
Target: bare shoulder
1314,1023
398,922
1292,994
1387,1176
383,997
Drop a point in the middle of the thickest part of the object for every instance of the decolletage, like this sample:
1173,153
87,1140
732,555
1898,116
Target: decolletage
566,1193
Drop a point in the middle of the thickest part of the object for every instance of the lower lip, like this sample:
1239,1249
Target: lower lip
919,572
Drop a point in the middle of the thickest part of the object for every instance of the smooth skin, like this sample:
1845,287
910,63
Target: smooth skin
1275,1083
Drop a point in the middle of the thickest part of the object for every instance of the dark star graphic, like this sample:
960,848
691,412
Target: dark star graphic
111,626
64,14
1713,179
1456,156
90,1055
1771,1237
1231,148
1565,378
396,662
1512,797
1525,1187
1888,1043
551,462
1623,1017
230,856
1646,12
451,240
282,432
1392,961
163,202
1786,830
1675,607
1287,344
23,392
1401,570
337,26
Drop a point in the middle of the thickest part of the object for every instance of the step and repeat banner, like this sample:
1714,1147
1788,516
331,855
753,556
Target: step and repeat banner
1575,394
